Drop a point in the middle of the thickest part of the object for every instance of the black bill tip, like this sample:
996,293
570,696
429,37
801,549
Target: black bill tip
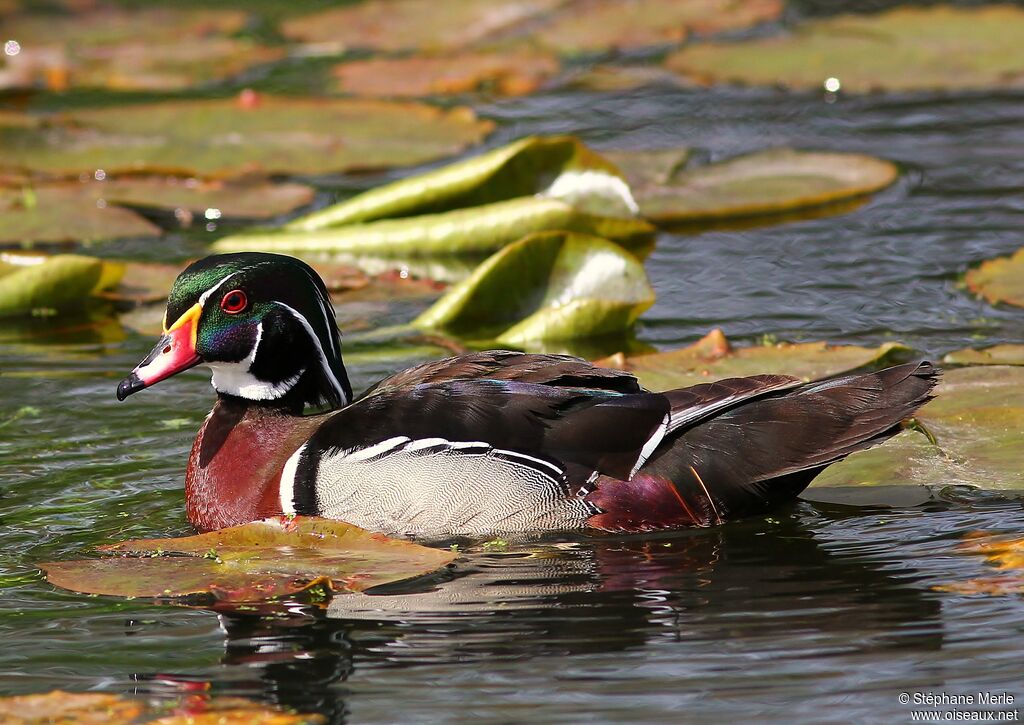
129,385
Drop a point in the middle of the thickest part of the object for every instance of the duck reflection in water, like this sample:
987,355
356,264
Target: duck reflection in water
749,581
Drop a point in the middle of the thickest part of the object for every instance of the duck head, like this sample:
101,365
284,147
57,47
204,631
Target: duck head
264,325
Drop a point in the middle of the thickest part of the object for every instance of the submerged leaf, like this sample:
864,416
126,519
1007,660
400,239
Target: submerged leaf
547,286
995,355
713,358
1004,554
474,230
65,212
274,135
546,165
413,24
510,73
58,282
905,49
601,25
765,182
254,562
999,280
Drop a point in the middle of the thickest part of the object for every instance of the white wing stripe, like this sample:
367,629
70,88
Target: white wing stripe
361,454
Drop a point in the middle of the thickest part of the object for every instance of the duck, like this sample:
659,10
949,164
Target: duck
488,443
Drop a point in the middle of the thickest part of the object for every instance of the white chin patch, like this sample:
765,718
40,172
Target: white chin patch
235,379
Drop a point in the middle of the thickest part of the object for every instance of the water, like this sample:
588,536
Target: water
816,613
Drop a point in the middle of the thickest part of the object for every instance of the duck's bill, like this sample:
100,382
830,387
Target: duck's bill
172,354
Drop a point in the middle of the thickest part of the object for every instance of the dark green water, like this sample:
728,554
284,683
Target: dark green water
815,614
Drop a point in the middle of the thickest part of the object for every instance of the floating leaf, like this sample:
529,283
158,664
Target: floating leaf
510,73
977,418
533,165
765,182
1001,552
601,25
413,24
545,287
133,49
713,358
995,355
650,167
255,562
58,282
475,230
65,212
271,134
94,708
905,49
999,280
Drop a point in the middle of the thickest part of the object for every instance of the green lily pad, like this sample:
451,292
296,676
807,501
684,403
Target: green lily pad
60,282
766,182
222,137
544,165
995,355
509,73
999,280
649,167
908,458
65,212
713,358
602,25
396,25
548,286
905,49
254,562
475,230
132,49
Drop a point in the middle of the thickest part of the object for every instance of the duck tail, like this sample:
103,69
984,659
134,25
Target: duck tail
763,451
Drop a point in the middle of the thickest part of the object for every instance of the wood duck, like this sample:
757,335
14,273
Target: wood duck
486,443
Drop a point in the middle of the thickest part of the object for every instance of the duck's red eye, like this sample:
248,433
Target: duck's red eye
234,302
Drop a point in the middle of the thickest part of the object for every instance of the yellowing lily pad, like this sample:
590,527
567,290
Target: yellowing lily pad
221,137
255,562
545,287
65,212
95,708
133,49
29,284
905,49
995,355
999,280
511,73
650,167
1003,553
601,25
765,182
395,25
713,358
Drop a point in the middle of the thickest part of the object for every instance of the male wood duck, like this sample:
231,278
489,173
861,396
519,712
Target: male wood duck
486,443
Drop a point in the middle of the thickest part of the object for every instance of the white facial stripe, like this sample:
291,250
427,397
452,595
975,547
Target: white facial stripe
652,443
320,352
208,293
286,487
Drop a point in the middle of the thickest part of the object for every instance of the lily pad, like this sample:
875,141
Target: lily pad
475,230
713,357
995,355
52,283
510,73
254,562
547,286
65,212
544,165
905,49
765,182
396,25
133,49
649,167
601,25
95,708
221,137
999,280
1004,554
